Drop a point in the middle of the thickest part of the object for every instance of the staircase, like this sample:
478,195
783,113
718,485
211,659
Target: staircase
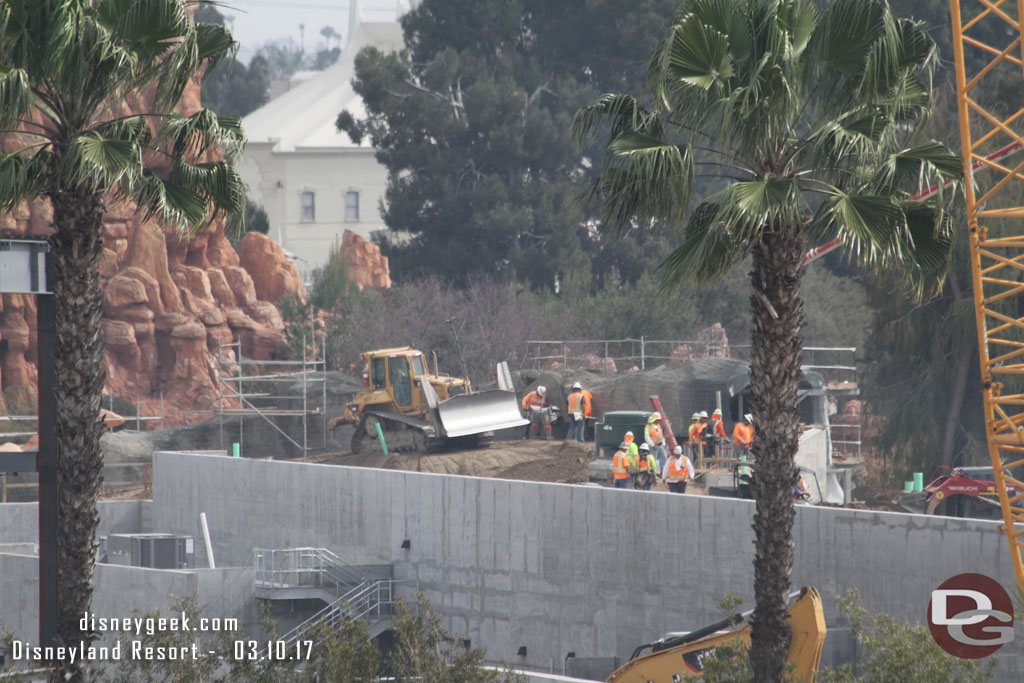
303,573
372,601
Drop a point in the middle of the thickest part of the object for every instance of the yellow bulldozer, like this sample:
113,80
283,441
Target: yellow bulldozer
682,657
414,410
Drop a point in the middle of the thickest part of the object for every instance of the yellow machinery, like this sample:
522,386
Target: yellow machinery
416,410
682,657
994,212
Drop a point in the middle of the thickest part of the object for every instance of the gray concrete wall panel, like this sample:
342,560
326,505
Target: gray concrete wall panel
558,567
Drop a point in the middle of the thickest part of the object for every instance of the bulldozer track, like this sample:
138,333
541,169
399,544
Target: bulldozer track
404,438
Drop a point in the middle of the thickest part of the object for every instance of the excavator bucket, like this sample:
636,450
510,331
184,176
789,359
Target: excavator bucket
484,411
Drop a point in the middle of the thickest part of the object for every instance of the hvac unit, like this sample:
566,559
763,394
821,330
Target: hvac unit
155,551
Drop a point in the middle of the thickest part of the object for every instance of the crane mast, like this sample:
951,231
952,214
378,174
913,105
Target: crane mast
989,49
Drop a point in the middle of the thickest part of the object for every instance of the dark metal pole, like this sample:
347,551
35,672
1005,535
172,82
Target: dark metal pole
47,465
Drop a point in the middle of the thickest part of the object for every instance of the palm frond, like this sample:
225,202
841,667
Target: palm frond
623,111
169,201
747,207
644,177
22,177
707,252
929,235
697,55
924,165
192,136
217,181
869,224
214,42
15,96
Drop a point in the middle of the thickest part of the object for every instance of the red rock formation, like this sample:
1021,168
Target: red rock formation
273,274
170,302
366,266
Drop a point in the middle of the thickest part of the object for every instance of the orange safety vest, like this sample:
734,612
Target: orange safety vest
678,472
718,428
646,463
534,399
654,431
620,465
588,407
743,435
577,402
695,430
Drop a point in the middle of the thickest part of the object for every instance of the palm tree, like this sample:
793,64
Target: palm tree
793,125
67,68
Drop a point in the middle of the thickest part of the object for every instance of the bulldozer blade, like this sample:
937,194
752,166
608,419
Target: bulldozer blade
485,411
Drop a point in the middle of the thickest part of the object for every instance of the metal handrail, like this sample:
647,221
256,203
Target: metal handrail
372,598
304,568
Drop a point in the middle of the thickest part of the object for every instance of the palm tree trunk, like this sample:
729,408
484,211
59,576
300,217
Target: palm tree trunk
78,298
778,316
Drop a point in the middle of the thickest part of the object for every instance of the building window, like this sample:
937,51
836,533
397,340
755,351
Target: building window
308,207
351,206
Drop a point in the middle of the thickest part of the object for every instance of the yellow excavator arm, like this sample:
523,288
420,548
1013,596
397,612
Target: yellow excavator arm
683,657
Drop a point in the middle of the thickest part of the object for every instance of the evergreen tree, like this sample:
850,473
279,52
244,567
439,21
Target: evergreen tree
470,121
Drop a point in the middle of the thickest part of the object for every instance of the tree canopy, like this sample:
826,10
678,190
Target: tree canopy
470,122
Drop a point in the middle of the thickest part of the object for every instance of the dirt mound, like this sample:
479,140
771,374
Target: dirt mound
534,460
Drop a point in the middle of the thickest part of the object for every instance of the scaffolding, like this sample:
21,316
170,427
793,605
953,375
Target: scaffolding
265,387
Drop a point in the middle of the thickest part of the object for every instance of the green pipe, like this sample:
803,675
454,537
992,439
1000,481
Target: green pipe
380,435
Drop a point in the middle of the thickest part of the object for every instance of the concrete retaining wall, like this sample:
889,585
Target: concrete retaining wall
126,592
19,522
562,568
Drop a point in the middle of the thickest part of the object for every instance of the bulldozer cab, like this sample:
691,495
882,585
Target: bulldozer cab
398,372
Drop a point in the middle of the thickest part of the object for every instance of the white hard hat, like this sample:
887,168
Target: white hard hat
677,450
749,418
644,447
623,445
718,411
629,434
655,415
703,413
576,385
541,389
696,416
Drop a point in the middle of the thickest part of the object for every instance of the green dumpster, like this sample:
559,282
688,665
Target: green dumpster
609,432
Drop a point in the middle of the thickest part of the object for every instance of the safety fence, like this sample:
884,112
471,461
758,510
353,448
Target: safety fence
835,364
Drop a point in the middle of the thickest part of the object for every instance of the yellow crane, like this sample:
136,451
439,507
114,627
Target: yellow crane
988,47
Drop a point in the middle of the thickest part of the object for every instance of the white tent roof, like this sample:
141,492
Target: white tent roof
304,116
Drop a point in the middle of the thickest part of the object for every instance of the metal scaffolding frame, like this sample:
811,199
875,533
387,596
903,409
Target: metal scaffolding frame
232,387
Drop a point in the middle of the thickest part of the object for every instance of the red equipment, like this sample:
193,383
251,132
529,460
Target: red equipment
945,484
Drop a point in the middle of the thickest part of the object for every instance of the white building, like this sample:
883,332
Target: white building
312,180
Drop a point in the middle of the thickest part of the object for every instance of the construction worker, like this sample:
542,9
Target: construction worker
535,404
588,410
629,439
743,434
718,436
645,469
696,435
678,471
654,436
743,475
800,489
577,410
621,466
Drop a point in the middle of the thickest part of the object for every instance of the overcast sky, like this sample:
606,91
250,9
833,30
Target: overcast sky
256,22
